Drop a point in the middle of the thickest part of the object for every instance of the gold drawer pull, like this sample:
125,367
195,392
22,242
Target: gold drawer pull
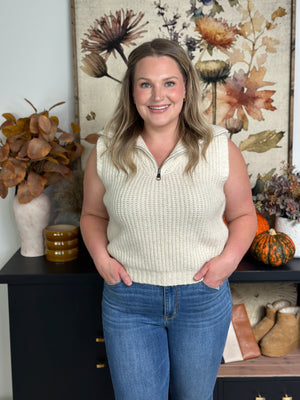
286,397
101,365
100,340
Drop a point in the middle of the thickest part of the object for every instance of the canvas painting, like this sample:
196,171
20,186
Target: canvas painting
243,51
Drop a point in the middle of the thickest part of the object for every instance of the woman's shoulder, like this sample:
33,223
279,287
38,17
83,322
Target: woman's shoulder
103,140
219,130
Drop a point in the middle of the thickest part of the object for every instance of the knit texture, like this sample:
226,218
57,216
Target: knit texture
163,231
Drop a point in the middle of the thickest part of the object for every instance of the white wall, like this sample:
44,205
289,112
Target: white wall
36,63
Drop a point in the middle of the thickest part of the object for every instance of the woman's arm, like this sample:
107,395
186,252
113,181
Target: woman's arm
93,225
241,218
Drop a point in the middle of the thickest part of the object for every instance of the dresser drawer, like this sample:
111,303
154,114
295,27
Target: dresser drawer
249,388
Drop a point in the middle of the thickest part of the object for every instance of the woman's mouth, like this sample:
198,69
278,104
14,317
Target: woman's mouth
159,108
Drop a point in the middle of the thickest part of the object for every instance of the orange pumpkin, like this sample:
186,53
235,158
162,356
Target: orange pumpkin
262,223
273,248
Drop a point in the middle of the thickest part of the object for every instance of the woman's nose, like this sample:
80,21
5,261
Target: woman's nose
157,93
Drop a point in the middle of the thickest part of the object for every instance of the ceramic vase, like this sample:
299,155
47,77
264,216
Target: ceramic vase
31,219
290,228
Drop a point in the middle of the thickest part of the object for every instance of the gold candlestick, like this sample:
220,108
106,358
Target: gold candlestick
286,397
260,398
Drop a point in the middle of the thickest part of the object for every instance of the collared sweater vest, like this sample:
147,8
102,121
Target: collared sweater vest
164,224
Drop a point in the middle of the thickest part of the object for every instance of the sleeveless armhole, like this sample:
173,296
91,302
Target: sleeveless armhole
100,148
222,136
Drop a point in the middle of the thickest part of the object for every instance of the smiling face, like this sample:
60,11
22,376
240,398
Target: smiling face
158,91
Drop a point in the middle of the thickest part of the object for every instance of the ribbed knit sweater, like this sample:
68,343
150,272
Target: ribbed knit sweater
163,224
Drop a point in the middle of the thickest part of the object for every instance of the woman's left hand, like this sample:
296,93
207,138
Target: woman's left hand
215,271
241,220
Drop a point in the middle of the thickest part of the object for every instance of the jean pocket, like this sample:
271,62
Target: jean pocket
206,286
112,285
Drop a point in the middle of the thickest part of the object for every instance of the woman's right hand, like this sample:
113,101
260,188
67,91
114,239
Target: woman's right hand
112,272
93,224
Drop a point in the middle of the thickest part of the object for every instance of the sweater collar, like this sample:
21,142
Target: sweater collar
140,144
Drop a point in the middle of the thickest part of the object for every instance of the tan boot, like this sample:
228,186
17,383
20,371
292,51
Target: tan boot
267,323
285,335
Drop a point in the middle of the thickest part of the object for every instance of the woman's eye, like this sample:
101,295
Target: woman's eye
145,85
170,83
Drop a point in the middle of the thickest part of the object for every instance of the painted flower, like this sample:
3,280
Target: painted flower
216,32
241,96
233,125
191,46
95,66
213,71
110,32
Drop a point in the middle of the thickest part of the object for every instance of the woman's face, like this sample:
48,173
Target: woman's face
158,92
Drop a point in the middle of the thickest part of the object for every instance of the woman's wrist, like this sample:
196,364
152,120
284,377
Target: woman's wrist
101,258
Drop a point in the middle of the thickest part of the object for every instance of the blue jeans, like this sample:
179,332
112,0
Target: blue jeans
161,339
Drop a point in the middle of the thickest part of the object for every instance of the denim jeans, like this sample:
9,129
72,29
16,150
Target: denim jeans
162,340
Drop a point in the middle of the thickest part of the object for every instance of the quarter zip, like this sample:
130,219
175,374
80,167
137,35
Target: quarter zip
159,169
158,176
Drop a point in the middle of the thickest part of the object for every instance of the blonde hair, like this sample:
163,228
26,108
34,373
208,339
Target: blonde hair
126,123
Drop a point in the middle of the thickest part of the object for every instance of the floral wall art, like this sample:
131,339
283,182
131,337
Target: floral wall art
243,51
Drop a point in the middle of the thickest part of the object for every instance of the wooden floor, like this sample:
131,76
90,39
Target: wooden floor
262,366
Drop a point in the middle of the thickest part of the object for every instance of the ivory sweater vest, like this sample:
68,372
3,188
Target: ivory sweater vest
163,224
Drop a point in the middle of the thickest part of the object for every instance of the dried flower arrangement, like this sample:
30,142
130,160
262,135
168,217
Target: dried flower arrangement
37,153
279,194
67,197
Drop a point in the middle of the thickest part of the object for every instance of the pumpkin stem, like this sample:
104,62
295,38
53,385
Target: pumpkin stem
272,232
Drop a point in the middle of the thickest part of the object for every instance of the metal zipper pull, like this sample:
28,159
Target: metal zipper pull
158,175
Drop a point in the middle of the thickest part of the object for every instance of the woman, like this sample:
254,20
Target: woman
156,188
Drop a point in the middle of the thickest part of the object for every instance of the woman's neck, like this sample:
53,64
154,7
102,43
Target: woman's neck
160,144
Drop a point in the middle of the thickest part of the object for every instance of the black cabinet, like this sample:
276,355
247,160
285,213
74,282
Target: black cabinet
250,389
57,347
55,332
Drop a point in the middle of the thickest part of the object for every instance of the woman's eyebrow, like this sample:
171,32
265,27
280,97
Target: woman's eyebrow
164,79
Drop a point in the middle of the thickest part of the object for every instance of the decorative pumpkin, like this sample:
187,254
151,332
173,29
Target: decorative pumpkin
262,223
273,248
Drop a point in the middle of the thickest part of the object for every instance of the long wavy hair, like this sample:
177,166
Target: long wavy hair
126,124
